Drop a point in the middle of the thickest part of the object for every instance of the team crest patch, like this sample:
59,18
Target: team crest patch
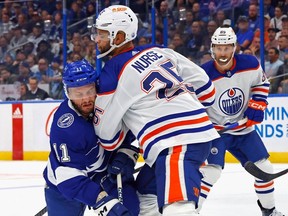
231,101
214,151
66,120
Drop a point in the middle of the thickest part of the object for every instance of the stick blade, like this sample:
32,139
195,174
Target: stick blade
251,168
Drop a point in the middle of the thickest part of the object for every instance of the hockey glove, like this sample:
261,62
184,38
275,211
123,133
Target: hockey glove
107,185
123,162
109,206
255,112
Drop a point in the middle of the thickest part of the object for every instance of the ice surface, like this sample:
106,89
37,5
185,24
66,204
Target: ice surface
22,191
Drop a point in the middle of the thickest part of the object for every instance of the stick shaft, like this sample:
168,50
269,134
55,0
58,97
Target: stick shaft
119,188
42,211
233,125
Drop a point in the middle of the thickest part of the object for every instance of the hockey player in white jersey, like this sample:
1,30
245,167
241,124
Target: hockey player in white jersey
148,90
76,173
241,92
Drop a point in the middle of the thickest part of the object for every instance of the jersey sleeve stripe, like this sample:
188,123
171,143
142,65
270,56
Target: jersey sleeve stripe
168,117
204,88
264,85
259,97
265,90
207,96
112,144
172,125
64,173
205,104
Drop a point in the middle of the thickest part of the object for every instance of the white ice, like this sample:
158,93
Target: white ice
21,191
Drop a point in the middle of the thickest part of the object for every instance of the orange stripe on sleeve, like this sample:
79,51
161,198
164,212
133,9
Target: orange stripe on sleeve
204,97
112,147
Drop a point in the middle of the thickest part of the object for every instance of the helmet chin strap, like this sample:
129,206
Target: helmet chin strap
113,46
107,52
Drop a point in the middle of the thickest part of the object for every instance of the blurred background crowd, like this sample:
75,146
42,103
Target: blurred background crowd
31,37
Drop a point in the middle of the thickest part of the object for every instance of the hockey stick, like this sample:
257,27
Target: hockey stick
251,168
119,184
119,188
233,125
138,169
44,210
271,78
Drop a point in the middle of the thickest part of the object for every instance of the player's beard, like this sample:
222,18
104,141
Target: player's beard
105,49
85,108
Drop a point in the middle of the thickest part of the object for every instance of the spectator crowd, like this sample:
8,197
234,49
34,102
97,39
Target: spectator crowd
31,37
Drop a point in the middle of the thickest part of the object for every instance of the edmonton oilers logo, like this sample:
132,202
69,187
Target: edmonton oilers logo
231,101
214,151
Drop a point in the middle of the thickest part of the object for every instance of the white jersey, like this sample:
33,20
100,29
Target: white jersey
234,89
151,91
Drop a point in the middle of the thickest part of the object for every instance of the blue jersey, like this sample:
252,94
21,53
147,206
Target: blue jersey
75,156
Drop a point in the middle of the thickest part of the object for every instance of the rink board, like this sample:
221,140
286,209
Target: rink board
25,129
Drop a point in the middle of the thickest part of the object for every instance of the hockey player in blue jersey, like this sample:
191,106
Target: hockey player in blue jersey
148,90
76,174
241,92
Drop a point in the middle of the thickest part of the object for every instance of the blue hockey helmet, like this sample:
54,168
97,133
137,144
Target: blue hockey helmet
78,74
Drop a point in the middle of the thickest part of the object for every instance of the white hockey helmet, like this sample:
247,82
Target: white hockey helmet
117,18
223,36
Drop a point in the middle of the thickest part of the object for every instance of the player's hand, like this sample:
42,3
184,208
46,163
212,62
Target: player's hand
255,112
107,185
123,162
109,206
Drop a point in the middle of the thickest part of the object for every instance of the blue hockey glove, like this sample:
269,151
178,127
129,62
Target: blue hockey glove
255,112
109,206
107,185
123,162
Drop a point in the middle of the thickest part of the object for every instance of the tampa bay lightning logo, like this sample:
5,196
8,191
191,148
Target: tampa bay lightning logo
66,120
231,101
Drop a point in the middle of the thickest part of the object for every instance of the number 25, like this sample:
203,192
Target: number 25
168,78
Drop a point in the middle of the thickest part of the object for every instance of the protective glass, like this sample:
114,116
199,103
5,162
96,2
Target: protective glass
94,35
